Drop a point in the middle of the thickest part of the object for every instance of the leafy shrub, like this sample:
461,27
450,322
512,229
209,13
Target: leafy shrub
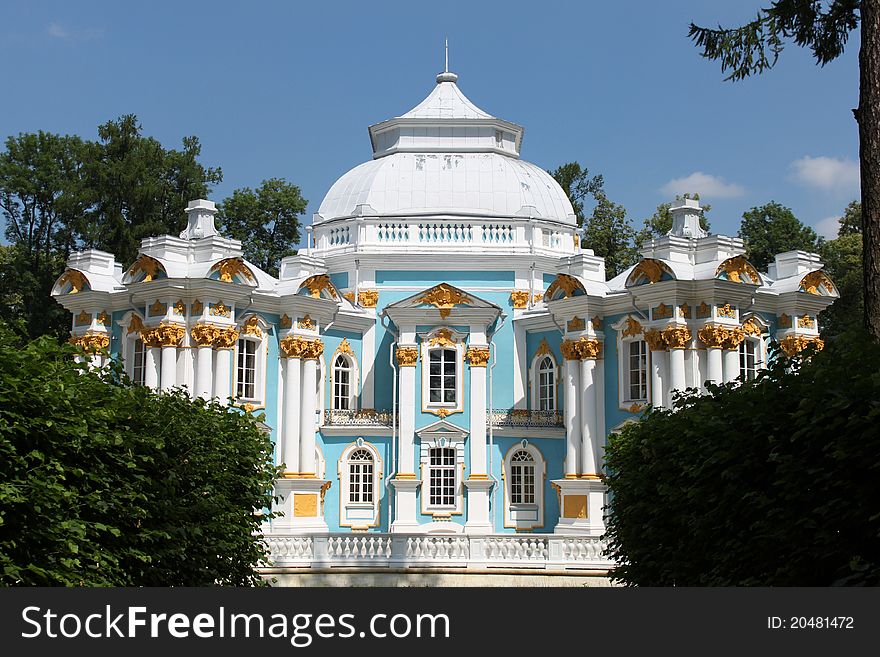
771,482
104,483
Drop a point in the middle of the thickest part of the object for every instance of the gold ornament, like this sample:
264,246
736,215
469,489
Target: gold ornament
519,298
703,310
684,311
655,340
445,297
738,269
735,336
285,322
806,322
312,349
345,348
677,337
662,312
349,296
751,327
648,269
91,342
197,307
442,337
566,284
368,298
597,323
317,284
538,298
635,408
252,327
589,349
167,335
784,321
204,335
727,311
570,350
220,310
158,308
102,319
226,338
149,266
576,324
632,328
478,356
543,348
136,325
721,337
407,356
83,319
292,347
77,280
306,323
815,282
232,267
794,344
180,307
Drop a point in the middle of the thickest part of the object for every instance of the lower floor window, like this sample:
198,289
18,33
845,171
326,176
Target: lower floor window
748,359
360,483
441,477
138,366
522,478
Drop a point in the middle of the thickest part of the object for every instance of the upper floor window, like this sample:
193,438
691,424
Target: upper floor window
748,359
138,363
246,369
546,384
441,477
342,383
636,370
442,384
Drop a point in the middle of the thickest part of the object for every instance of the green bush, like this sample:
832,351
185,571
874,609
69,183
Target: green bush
104,483
771,483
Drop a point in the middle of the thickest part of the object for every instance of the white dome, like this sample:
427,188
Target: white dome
436,183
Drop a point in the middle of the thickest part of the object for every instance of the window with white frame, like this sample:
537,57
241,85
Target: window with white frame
748,358
360,477
441,477
522,478
636,370
343,380
138,362
442,376
246,368
546,384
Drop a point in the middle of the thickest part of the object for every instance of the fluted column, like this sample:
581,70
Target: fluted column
572,417
203,336
677,338
311,351
225,343
291,348
659,369
589,351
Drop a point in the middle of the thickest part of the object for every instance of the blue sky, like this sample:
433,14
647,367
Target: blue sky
287,89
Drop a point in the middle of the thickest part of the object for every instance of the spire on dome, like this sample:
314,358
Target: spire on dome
446,75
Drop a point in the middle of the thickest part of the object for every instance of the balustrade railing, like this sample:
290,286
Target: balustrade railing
537,552
521,417
366,417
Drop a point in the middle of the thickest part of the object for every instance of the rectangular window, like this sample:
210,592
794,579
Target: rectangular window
441,477
748,359
638,370
138,364
246,374
441,376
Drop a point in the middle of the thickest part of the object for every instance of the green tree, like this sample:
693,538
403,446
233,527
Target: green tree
610,234
755,483
139,188
843,262
42,195
265,220
660,223
104,483
577,184
772,228
824,28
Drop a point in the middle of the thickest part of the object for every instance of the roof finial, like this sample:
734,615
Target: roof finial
446,76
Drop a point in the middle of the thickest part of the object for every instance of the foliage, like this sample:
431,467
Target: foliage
610,234
103,483
821,26
265,220
769,483
577,184
60,193
771,229
660,222
843,262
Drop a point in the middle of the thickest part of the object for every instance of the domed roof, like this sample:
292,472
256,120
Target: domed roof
446,156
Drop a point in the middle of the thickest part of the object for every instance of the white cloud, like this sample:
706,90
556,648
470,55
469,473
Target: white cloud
704,184
59,31
827,173
827,227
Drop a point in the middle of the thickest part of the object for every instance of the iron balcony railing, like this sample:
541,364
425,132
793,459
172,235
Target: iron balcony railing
521,417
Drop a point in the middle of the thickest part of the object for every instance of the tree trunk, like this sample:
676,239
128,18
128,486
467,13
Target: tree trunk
868,116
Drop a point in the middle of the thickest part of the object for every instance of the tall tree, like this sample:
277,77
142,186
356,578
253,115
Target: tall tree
772,228
660,222
823,27
610,234
265,220
42,195
139,187
843,262
576,182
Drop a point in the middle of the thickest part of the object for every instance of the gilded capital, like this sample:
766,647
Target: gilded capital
91,342
655,340
677,337
226,338
204,335
589,349
407,356
478,356
519,299
735,336
292,347
368,298
794,344
570,350
167,335
721,337
312,349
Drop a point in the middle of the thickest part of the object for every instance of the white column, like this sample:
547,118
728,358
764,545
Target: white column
307,407
151,367
405,482
223,374
730,365
290,442
713,364
204,371
676,370
572,421
588,417
478,419
658,377
407,406
169,367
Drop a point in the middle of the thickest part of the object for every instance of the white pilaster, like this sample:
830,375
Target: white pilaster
405,483
478,484
169,367
713,365
223,375
308,402
658,377
151,367
730,365
291,421
589,465
572,423
676,371
204,371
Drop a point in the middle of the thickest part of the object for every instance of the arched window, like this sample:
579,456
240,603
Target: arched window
360,473
342,383
522,478
246,369
546,384
442,385
138,362
748,358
